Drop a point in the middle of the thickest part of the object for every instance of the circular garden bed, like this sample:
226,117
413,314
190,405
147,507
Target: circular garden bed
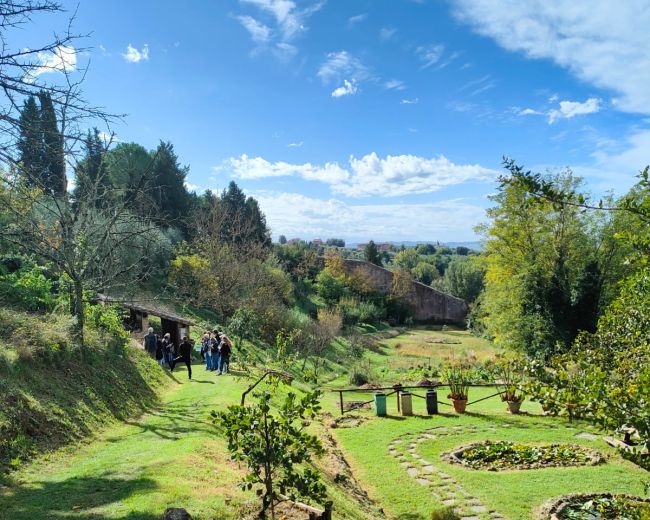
505,455
602,506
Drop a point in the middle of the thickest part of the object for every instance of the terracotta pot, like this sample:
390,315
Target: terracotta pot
514,406
459,405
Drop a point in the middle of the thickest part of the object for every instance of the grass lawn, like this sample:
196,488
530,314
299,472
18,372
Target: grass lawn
171,457
397,359
398,459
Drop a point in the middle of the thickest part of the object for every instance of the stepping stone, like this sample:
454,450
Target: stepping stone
429,469
405,464
412,472
470,518
479,509
449,502
586,435
422,481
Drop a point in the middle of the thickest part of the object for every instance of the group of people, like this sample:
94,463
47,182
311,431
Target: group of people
216,349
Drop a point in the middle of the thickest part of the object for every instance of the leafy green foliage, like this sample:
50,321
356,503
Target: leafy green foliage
618,507
504,455
275,447
29,288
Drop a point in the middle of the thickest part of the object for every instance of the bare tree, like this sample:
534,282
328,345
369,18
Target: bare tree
95,241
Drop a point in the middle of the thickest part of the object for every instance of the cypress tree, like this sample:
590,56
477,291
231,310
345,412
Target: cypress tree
30,144
53,155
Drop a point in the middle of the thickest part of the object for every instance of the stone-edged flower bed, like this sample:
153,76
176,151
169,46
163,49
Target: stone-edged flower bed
596,506
505,455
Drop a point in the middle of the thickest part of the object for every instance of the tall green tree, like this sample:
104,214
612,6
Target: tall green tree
168,186
40,144
53,153
91,174
371,253
30,143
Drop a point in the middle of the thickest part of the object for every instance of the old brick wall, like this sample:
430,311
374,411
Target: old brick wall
428,303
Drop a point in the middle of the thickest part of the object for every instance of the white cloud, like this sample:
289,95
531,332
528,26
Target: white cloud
245,167
348,88
569,109
134,55
565,110
62,59
392,176
289,20
296,215
357,19
413,101
430,54
387,33
394,84
601,42
530,112
295,145
342,64
259,32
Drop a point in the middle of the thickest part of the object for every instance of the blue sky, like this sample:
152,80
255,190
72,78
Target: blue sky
382,119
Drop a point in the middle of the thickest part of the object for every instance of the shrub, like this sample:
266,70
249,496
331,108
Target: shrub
446,513
358,377
29,288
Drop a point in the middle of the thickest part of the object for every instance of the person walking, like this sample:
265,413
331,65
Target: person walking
206,353
150,342
168,350
224,354
216,349
185,355
160,353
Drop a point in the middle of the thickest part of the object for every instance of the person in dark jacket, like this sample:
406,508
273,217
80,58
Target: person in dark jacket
185,355
160,353
168,350
224,354
150,342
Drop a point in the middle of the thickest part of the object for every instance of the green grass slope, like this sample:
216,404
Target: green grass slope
52,393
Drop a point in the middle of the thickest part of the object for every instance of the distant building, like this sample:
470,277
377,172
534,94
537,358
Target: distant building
318,242
293,241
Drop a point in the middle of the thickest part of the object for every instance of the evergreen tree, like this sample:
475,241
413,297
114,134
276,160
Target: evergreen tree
371,254
91,173
30,144
168,186
282,240
53,153
586,298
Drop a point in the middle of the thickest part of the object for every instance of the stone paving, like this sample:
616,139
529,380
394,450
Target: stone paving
427,473
443,487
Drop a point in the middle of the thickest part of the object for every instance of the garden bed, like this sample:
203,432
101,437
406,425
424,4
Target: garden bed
504,455
601,506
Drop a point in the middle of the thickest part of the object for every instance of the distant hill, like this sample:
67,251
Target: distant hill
475,246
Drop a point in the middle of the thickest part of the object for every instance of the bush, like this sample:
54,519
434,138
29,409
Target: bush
29,288
358,378
446,513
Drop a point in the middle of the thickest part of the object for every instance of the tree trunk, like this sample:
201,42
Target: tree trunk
78,311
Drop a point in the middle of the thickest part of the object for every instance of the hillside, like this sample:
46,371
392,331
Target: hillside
52,393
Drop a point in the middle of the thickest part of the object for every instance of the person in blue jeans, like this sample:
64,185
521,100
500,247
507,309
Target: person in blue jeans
168,350
216,348
224,354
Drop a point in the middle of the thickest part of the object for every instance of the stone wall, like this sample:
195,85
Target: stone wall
428,303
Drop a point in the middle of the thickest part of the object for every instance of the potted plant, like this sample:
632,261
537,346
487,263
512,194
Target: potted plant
455,378
510,379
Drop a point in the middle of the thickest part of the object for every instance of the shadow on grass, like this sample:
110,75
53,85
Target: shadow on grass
410,516
76,497
174,421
